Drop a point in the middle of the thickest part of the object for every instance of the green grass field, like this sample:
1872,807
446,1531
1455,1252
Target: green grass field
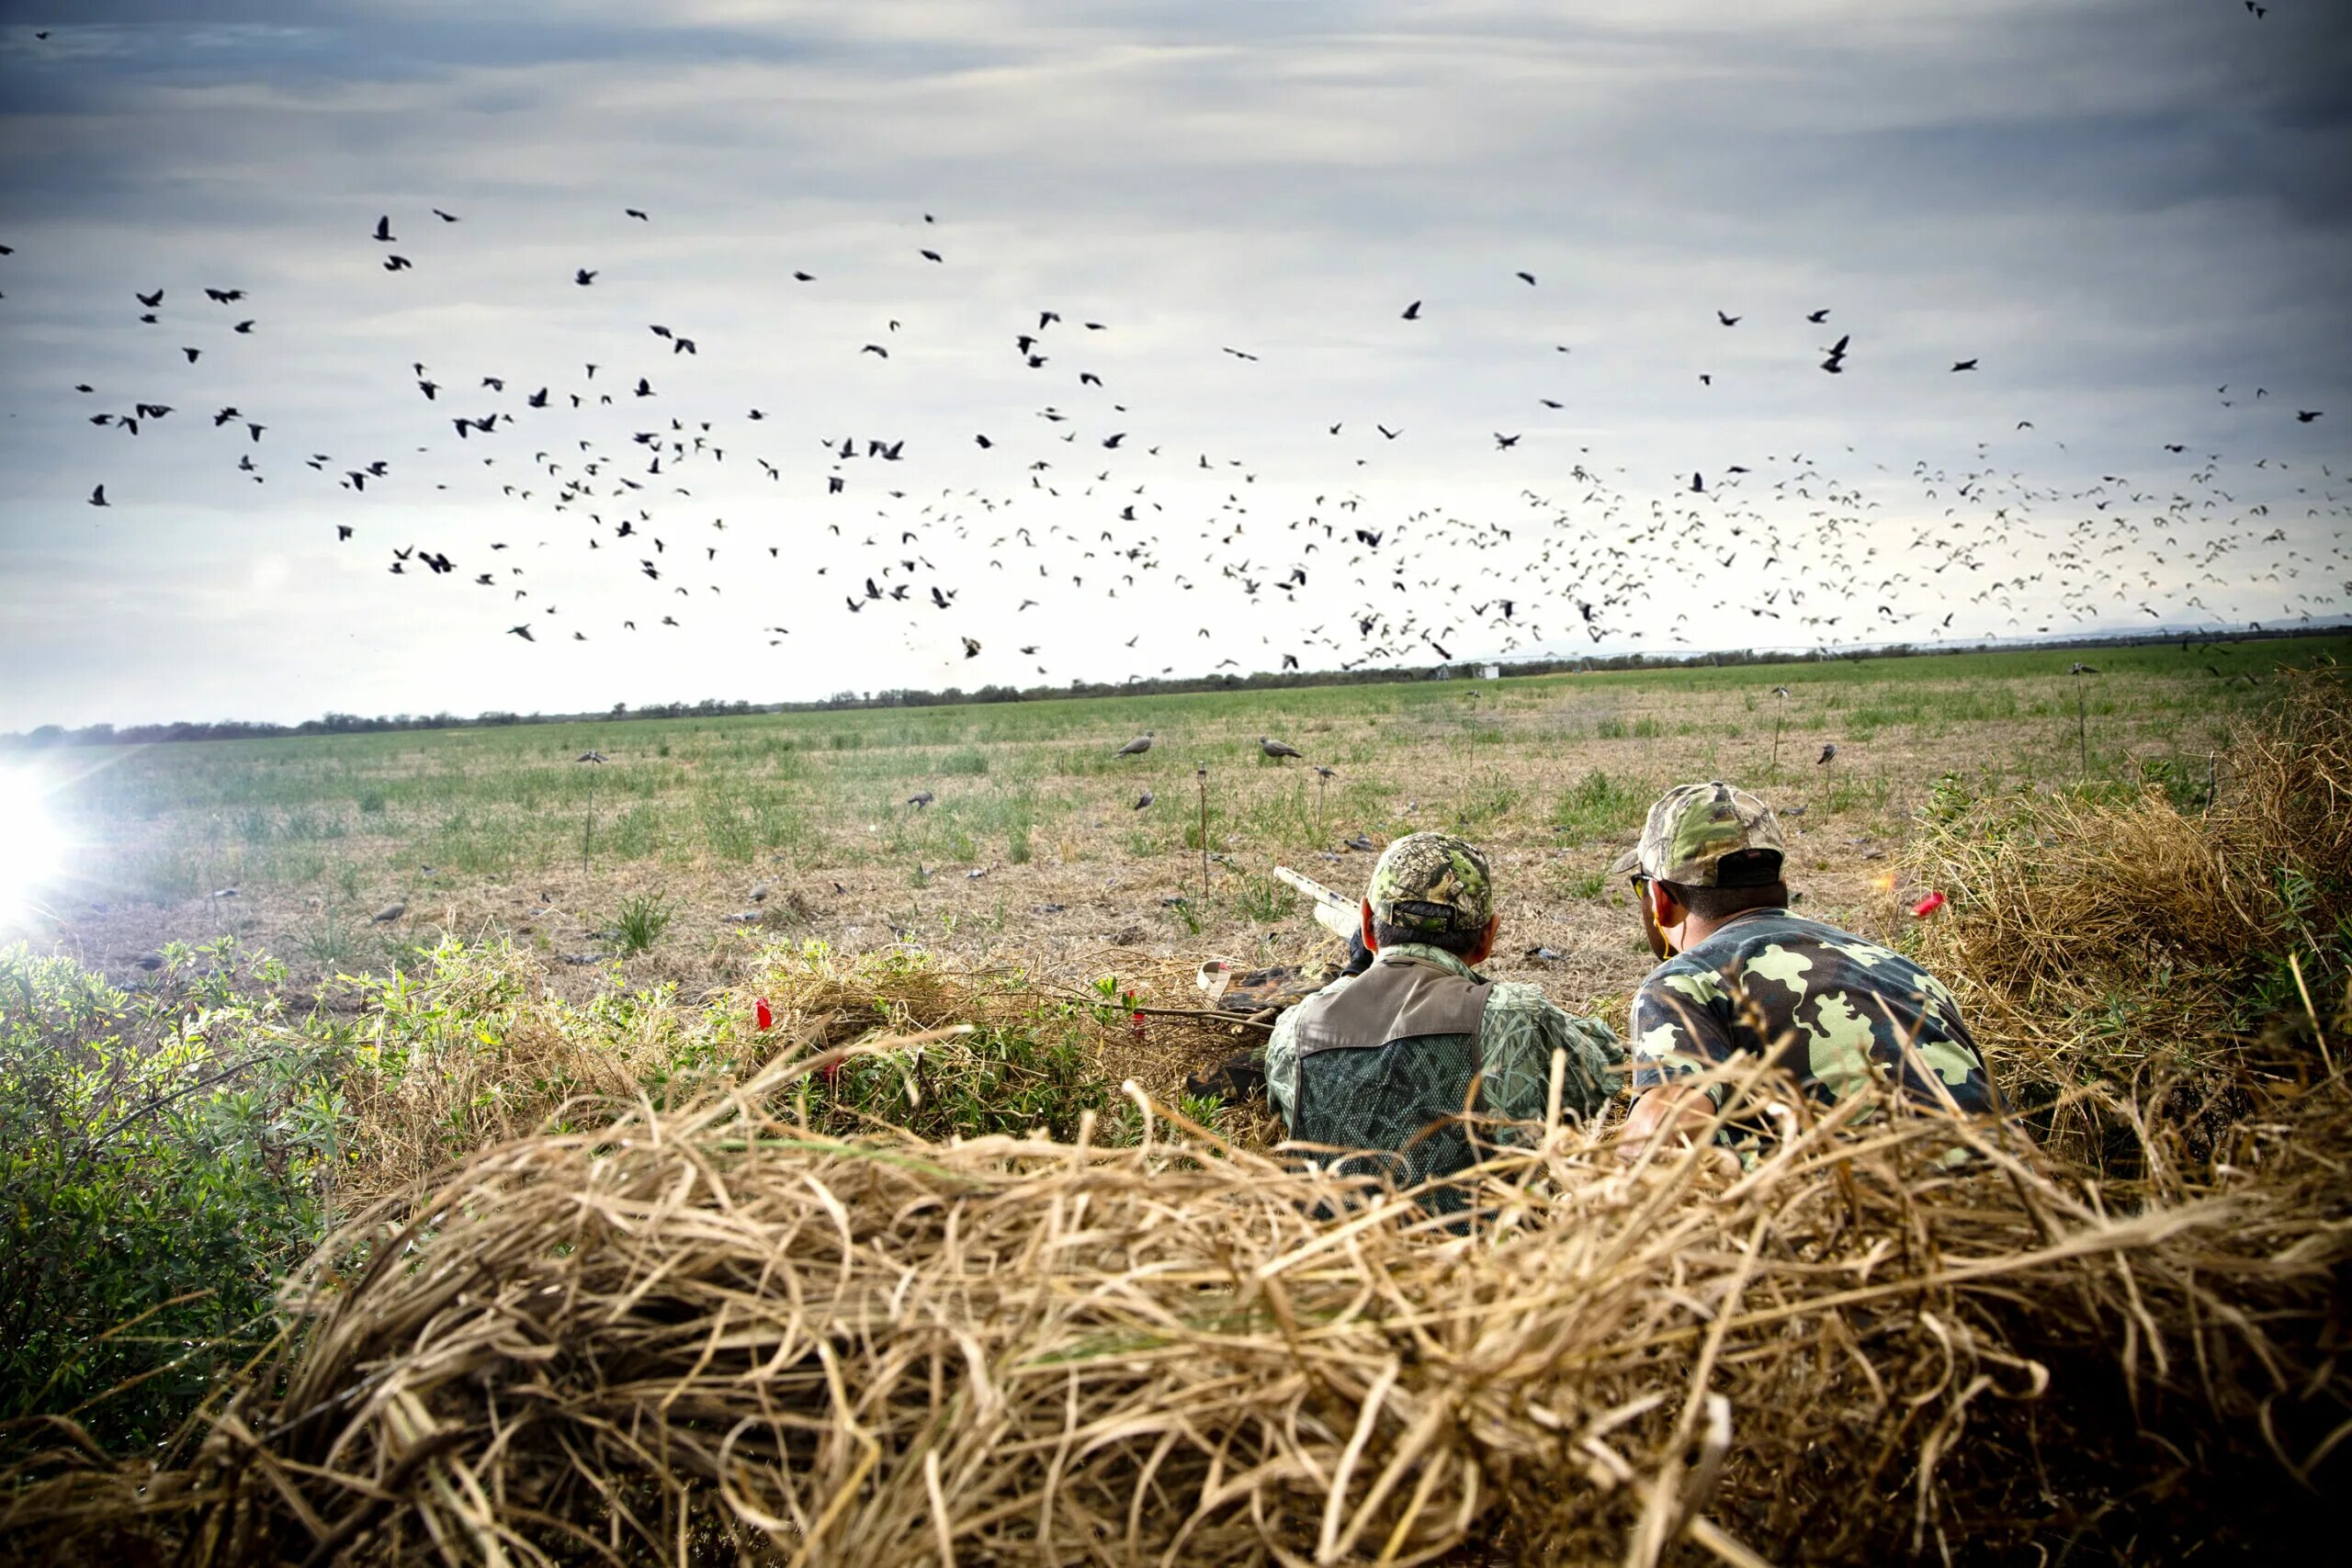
827,789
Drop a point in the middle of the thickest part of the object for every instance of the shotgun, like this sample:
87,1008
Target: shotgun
1341,916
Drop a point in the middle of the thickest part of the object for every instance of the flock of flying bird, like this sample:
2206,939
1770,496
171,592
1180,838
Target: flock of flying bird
1779,550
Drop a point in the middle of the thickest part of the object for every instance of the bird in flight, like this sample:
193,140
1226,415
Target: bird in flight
1727,321
99,496
1413,312
1959,364
583,277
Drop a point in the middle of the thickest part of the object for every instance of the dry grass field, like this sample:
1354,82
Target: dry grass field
1032,851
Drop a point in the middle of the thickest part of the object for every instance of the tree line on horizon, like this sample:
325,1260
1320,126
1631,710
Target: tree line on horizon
49,734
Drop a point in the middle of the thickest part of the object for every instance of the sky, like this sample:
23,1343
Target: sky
2134,217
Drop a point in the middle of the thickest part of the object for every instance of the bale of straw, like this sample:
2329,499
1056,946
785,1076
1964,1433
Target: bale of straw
686,1337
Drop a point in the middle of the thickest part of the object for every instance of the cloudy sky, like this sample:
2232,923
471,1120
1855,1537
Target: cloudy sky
2136,217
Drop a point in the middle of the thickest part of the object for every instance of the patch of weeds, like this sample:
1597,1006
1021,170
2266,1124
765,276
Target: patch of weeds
968,762
1491,799
1264,899
1599,804
643,917
1040,1071
1588,885
327,944
1016,846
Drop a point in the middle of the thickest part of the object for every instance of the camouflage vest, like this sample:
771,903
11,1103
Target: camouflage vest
1385,1063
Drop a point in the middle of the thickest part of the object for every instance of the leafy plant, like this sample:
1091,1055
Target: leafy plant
157,1163
643,917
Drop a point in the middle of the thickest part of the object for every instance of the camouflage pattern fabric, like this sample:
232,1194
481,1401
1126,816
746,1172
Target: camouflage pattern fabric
1446,874
1692,827
1386,1099
1836,1012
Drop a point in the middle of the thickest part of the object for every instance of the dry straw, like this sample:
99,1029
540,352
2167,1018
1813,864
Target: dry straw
713,1335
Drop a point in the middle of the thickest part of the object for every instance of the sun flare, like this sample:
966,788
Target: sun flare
32,845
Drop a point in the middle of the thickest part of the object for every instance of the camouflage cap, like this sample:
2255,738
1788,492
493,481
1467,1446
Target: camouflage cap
1432,883
1693,826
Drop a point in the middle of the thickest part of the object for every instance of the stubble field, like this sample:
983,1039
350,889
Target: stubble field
1034,851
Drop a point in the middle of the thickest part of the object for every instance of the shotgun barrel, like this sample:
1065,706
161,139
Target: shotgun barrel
1334,912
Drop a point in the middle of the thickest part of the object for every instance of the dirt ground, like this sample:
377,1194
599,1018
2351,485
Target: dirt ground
1066,921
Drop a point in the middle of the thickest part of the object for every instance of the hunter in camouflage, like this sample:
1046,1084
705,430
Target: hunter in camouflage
1744,977
1388,1061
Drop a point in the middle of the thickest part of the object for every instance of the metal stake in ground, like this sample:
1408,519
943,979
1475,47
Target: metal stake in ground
1323,776
2082,716
1778,714
1200,772
588,824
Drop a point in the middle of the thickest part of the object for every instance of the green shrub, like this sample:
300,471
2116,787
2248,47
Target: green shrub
643,917
158,1164
1041,1071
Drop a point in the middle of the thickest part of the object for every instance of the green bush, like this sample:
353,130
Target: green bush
1040,1071
643,917
158,1164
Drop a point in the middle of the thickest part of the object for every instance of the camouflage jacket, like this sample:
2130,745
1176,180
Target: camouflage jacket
1517,1034
1836,1011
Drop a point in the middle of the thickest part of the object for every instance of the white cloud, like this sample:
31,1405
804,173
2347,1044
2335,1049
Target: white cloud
1952,184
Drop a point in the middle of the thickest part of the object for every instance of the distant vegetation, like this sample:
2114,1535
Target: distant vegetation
1262,681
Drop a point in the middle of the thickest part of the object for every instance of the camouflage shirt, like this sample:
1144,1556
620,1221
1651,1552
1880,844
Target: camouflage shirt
1517,1034
1836,1011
